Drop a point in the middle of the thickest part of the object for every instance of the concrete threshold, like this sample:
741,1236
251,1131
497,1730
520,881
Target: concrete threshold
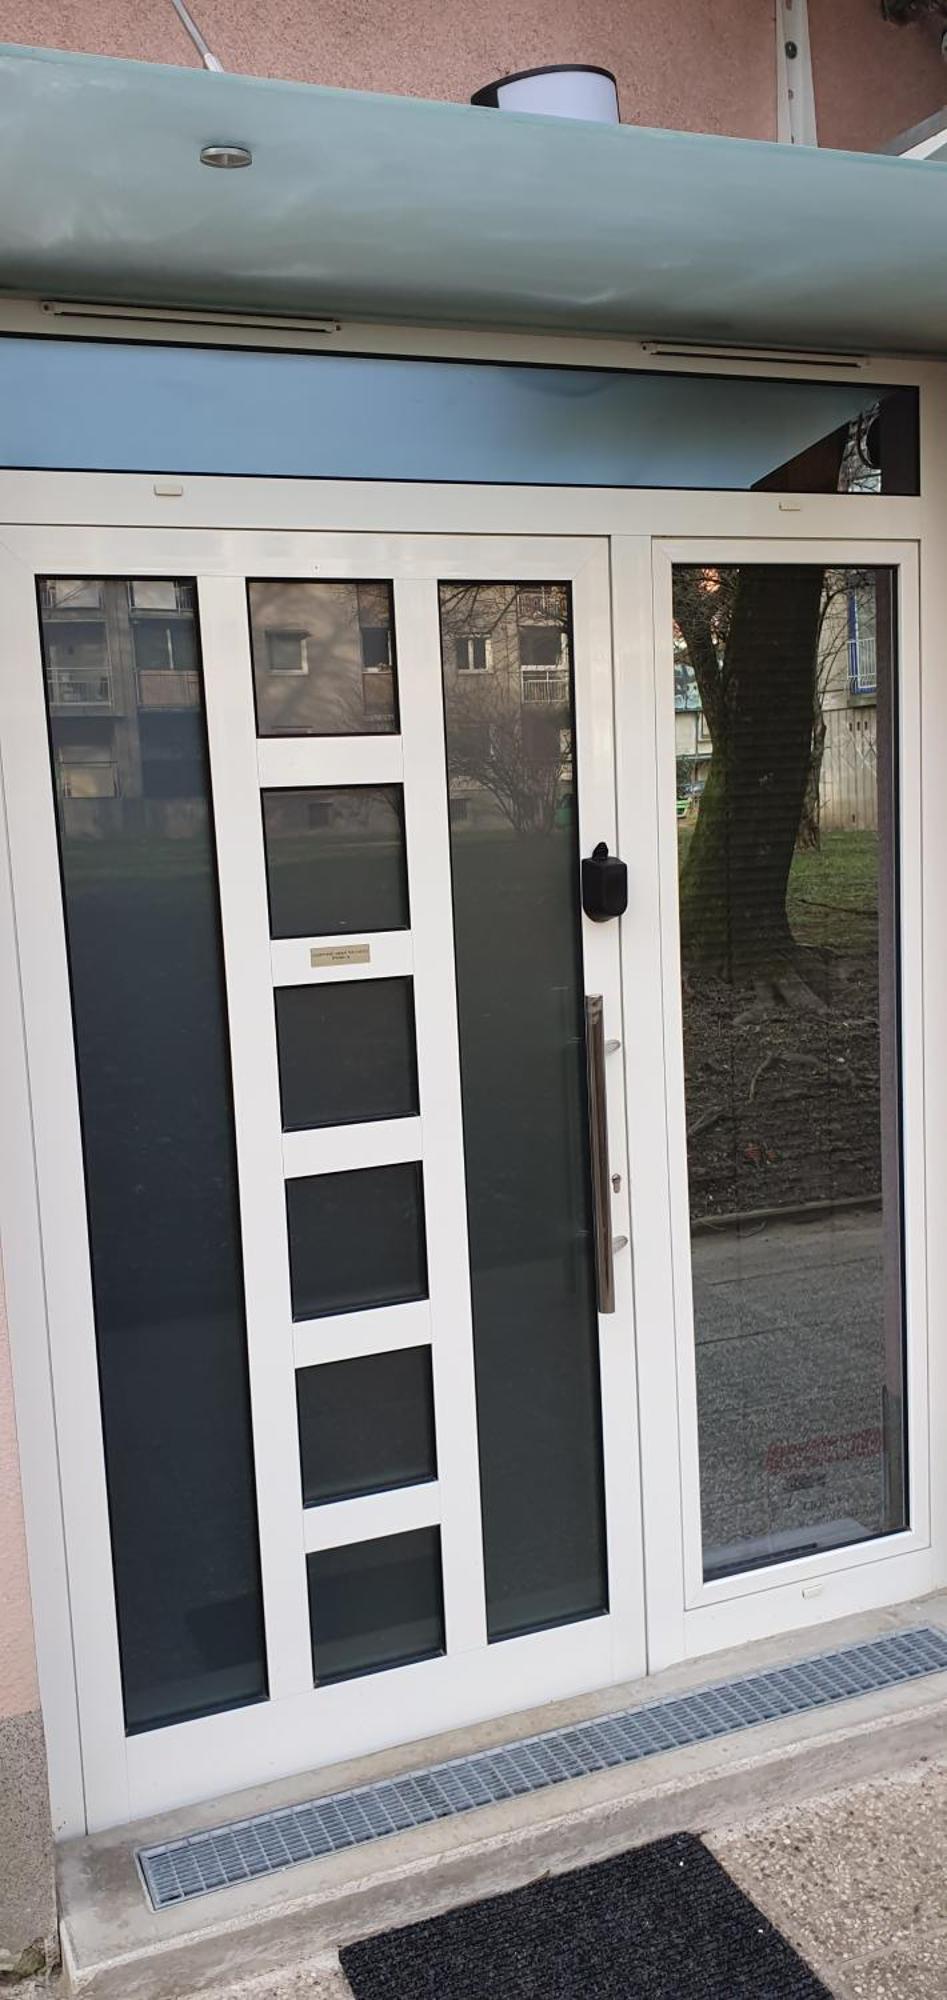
115,1947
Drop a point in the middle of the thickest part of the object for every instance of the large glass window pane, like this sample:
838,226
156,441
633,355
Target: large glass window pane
356,1239
785,720
143,933
367,1424
335,860
323,658
510,764
376,1604
119,406
346,1052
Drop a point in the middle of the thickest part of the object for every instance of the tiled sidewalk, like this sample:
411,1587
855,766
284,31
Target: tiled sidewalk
858,1883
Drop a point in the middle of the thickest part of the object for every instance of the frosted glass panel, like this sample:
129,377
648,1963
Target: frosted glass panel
346,1052
356,1239
376,1604
508,707
335,860
110,407
128,743
366,1425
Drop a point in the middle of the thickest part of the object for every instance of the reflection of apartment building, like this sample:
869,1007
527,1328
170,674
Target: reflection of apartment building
508,695
848,681
347,631
692,745
521,635
122,673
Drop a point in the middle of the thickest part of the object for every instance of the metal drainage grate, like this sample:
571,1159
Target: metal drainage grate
270,1842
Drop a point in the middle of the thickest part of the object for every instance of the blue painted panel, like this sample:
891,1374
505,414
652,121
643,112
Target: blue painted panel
107,406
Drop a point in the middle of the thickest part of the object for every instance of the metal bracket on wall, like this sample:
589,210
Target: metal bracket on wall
795,94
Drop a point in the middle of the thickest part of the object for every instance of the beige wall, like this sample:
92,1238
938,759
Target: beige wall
27,1891
18,1689
707,66
872,80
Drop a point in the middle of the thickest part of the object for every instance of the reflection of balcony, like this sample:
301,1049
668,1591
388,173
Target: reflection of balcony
79,687
545,601
163,687
863,664
549,685
70,593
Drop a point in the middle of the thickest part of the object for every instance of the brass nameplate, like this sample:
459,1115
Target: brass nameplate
341,954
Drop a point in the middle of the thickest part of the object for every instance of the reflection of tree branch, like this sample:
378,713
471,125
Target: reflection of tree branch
514,755
474,608
510,749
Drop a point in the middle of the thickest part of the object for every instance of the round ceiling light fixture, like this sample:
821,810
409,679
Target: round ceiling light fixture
227,155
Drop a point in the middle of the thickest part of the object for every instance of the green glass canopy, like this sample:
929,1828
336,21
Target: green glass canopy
383,207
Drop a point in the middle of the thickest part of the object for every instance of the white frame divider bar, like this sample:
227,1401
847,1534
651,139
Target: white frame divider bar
231,733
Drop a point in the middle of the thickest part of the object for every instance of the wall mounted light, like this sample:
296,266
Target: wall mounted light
559,90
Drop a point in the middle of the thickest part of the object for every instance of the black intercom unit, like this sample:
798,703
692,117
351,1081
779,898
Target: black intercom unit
604,885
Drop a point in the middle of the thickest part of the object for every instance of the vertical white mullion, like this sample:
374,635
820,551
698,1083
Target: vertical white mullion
912,879
596,789
231,730
653,1102
435,997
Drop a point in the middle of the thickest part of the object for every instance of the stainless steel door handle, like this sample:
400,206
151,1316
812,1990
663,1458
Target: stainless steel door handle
598,1148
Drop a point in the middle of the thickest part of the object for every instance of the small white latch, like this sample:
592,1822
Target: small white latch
790,507
813,1589
168,489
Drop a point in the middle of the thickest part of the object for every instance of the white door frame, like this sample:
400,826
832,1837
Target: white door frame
297,1726
632,520
687,1616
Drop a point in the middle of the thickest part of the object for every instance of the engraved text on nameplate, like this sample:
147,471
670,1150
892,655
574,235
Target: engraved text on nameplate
340,954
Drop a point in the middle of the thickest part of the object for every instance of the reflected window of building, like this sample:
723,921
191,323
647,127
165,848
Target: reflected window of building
473,652
287,651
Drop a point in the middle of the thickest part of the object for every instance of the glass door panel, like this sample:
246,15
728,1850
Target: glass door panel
785,696
128,744
510,724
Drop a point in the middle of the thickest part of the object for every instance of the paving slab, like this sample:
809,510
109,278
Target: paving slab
857,1882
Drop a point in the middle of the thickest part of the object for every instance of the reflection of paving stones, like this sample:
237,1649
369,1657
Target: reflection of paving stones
790,1368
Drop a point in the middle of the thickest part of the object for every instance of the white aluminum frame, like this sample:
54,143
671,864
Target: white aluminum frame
297,1725
632,520
777,1596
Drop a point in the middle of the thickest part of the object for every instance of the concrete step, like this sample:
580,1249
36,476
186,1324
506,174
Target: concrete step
280,1935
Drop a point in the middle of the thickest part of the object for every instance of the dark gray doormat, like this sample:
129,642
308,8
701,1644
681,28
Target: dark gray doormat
660,1923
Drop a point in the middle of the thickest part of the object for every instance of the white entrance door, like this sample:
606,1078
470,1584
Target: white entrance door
330,1136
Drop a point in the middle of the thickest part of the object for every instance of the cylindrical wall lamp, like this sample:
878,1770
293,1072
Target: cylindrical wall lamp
562,90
